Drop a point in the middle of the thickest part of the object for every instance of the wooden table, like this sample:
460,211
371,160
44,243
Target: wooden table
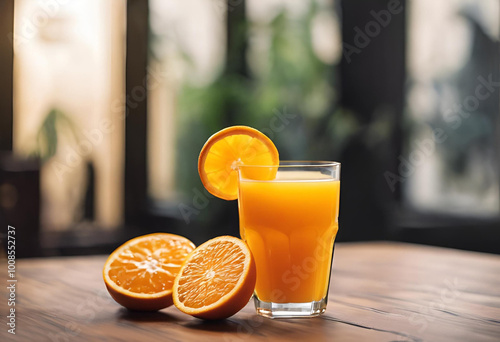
379,292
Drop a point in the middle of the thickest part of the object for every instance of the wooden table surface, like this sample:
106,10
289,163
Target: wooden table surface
379,292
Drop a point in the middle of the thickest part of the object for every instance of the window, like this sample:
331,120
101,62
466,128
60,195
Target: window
187,52
449,165
267,65
405,102
68,73
452,162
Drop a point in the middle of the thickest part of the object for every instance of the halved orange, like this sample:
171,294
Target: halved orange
225,151
217,279
140,273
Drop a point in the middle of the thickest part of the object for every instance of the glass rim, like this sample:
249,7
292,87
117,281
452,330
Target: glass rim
297,163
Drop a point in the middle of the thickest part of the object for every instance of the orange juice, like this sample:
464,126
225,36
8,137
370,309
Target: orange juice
290,224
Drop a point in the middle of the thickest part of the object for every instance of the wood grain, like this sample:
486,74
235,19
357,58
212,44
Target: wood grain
379,292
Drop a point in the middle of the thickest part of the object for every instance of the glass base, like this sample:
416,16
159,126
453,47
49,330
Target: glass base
289,310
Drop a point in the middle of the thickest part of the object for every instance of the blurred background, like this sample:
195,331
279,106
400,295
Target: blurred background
105,105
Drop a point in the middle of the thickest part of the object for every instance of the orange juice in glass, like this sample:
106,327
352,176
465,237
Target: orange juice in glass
289,219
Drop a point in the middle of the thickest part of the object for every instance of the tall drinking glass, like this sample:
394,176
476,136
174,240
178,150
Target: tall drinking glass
289,219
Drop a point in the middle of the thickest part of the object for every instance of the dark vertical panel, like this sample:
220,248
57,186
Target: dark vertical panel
373,65
6,69
497,128
136,109
236,67
20,203
372,75
237,39
237,43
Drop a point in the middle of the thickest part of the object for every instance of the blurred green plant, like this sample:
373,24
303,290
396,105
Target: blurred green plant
293,97
47,139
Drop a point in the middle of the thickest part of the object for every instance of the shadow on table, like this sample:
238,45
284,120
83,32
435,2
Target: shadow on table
141,316
242,326
246,325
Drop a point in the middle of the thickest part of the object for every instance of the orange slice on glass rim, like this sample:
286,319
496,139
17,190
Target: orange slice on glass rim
229,148
217,279
140,273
